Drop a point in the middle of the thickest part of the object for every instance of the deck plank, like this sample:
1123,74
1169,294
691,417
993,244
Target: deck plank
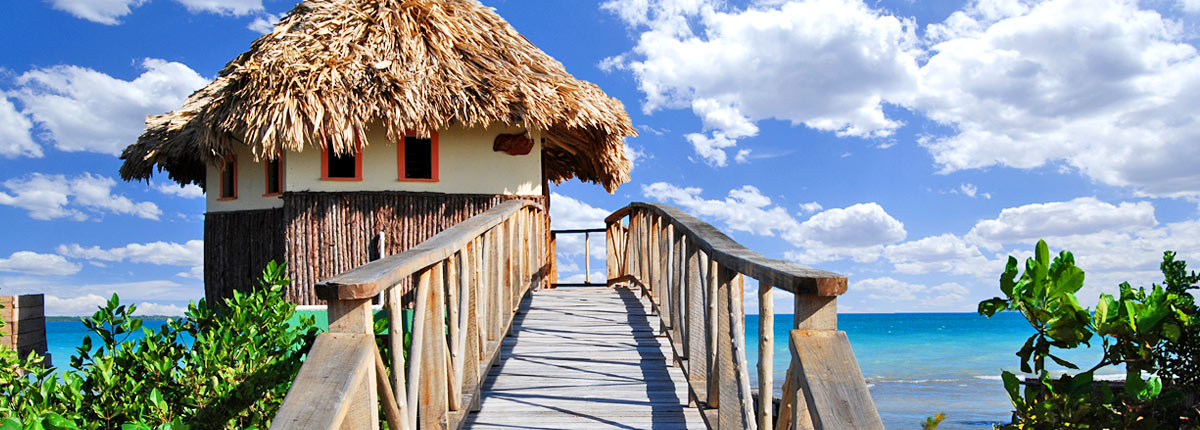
585,359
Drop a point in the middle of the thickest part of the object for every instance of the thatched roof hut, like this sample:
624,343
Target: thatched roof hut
332,67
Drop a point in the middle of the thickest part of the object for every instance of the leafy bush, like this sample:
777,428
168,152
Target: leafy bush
1148,332
234,373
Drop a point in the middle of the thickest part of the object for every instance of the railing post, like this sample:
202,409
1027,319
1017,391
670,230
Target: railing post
356,317
766,356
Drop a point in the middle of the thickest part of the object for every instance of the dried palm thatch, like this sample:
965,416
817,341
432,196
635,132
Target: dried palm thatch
331,67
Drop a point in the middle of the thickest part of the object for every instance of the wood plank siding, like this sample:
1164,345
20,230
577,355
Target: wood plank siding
329,233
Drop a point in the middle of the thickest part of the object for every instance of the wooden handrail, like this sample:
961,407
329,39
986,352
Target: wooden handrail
793,277
694,277
469,281
334,376
368,280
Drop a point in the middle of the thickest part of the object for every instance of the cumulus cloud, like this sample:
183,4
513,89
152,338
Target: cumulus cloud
830,65
88,304
190,253
946,295
810,207
108,11
189,191
1075,217
223,7
265,23
155,291
101,11
15,128
945,253
570,214
49,197
33,263
1112,242
1103,87
858,231
744,209
81,109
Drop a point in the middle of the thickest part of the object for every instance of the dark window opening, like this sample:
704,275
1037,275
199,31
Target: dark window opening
273,177
342,166
418,158
229,180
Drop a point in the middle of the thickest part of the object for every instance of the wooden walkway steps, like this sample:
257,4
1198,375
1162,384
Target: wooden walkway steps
585,359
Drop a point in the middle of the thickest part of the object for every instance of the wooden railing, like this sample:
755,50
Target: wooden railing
694,276
587,258
469,282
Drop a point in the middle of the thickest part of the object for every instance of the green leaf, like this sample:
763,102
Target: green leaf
1061,362
10,424
1171,332
991,306
1013,386
1105,309
1069,281
1007,278
1042,255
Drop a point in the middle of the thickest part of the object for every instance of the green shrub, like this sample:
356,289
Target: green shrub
1151,332
234,374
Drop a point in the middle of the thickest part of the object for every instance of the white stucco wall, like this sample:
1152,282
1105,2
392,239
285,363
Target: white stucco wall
466,165
251,185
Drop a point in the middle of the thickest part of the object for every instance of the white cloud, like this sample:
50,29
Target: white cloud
189,191
190,253
810,207
88,304
946,253
1190,6
265,23
49,197
196,272
223,7
101,11
858,231
15,127
1083,215
1104,87
896,295
828,64
81,109
569,214
745,209
156,291
38,264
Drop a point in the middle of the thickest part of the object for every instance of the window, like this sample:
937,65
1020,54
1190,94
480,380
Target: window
343,167
228,179
418,158
274,178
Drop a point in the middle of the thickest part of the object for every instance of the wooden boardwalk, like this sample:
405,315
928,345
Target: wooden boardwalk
585,359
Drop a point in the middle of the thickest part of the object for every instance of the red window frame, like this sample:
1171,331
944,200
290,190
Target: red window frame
358,173
433,155
267,177
229,162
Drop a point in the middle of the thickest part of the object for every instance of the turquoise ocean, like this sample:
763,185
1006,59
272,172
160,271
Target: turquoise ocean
915,365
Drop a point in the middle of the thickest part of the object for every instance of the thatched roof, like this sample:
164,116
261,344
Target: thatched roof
331,67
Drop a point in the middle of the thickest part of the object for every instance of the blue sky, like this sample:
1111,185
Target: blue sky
909,145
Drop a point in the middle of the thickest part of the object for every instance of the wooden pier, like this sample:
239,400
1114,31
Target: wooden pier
663,346
585,359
